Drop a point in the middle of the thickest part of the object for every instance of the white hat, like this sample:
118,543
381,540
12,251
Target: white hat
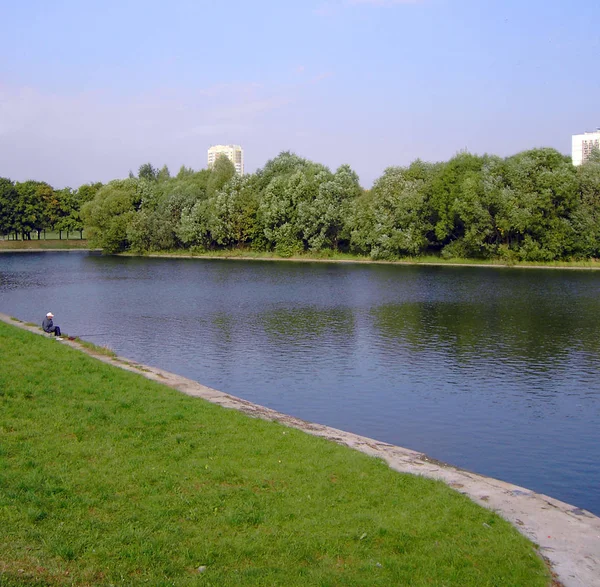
49,315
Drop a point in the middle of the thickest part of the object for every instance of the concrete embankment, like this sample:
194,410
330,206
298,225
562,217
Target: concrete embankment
568,537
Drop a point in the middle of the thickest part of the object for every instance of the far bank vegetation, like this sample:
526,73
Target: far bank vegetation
534,206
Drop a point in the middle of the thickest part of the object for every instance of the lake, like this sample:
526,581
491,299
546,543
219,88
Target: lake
493,370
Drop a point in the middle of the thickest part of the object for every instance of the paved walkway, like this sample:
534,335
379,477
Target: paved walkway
568,537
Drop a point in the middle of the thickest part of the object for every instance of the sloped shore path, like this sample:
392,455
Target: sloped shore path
567,536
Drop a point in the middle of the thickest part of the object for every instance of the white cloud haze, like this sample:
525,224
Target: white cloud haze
49,136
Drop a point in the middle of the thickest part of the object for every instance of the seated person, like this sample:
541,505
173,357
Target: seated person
48,325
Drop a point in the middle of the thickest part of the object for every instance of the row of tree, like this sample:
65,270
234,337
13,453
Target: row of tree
31,207
533,206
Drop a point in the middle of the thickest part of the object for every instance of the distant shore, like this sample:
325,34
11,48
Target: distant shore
248,255
350,259
42,245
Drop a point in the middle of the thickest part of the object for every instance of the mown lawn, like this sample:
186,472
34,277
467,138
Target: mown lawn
108,478
34,244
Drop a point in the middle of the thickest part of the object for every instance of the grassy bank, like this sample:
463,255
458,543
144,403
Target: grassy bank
348,258
324,256
106,478
43,244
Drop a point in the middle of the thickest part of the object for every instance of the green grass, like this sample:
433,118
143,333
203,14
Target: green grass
43,244
333,256
109,478
94,348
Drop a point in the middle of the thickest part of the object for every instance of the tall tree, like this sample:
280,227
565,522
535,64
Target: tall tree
444,194
221,172
184,172
32,207
391,220
283,213
8,198
544,187
233,212
322,218
87,192
147,172
108,215
67,215
163,174
586,218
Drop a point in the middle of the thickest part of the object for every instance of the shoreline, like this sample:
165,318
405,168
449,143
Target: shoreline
363,261
357,261
568,537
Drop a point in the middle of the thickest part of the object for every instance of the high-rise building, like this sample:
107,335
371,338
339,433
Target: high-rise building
583,145
233,152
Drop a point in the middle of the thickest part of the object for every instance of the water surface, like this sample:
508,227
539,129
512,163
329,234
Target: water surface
493,370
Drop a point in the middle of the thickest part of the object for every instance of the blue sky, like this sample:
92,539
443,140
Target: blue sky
90,90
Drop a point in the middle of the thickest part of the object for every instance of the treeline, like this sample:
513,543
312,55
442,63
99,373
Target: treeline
32,207
533,206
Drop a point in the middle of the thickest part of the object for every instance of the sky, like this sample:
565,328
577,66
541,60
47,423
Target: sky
90,90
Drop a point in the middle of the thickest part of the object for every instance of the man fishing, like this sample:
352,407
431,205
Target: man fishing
48,325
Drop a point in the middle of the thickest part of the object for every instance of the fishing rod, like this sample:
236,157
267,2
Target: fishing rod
90,334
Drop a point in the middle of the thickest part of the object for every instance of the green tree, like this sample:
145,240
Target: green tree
360,223
391,220
288,187
543,189
32,207
163,174
195,225
185,172
156,225
444,192
482,207
322,219
188,201
8,198
106,218
60,211
87,192
532,206
215,218
148,230
284,165
221,172
284,207
232,218
147,172
586,217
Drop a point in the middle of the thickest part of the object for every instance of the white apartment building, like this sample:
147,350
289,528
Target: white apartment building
233,152
583,145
